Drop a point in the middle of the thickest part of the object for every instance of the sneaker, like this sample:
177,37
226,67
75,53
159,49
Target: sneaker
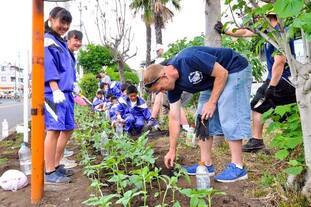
191,170
66,172
253,145
68,163
68,153
231,174
56,178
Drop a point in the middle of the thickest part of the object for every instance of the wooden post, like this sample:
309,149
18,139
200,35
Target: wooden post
37,116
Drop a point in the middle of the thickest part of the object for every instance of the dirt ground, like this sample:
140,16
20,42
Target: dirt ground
239,194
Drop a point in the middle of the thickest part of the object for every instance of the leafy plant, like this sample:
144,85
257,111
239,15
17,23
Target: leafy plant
197,196
89,85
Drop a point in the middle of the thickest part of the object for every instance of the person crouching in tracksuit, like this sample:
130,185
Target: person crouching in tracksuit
134,111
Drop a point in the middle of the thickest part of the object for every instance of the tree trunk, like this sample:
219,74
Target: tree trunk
212,15
158,28
148,44
121,71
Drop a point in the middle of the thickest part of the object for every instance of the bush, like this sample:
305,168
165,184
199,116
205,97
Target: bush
89,85
94,57
130,75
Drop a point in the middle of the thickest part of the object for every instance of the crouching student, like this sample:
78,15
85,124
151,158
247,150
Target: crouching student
98,101
134,111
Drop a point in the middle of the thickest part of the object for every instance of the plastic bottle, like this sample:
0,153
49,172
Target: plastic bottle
103,141
119,129
25,159
5,129
202,177
190,137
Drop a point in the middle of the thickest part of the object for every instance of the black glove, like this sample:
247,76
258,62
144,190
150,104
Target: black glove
219,27
270,92
201,129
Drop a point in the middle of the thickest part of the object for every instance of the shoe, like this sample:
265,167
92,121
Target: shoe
231,174
66,172
56,178
191,170
68,163
68,153
253,145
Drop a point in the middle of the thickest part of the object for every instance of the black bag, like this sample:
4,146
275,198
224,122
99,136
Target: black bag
201,128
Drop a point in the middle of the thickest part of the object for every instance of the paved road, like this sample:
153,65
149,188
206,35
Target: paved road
12,111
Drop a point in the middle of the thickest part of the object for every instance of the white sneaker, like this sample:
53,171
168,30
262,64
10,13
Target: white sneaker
68,153
68,163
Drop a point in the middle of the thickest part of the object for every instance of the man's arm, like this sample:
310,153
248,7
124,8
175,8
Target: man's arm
174,128
240,33
277,69
221,76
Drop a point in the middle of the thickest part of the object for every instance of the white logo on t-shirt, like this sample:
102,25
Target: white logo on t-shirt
195,77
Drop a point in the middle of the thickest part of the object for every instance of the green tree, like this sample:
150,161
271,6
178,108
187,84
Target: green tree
296,16
93,57
145,7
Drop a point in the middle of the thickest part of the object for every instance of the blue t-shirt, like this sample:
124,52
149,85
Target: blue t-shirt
195,66
269,50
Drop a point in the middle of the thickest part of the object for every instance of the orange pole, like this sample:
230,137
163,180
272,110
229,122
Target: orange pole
37,110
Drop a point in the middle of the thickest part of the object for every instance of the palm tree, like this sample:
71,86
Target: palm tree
146,8
161,15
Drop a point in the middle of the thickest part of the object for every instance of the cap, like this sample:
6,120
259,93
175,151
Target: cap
152,73
158,47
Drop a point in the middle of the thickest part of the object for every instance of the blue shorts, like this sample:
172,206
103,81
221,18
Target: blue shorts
59,117
232,116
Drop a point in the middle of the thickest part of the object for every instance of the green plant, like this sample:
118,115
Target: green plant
197,196
288,136
89,85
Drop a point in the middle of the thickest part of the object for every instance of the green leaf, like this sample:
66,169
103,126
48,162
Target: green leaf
281,154
293,162
177,204
288,8
296,170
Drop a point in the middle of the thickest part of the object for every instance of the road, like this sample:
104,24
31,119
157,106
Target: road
12,111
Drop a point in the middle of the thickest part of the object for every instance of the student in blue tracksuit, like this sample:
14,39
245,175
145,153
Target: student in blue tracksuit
59,81
113,87
98,101
134,111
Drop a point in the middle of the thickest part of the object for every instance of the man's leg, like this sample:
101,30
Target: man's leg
236,152
157,105
206,150
61,144
183,117
50,144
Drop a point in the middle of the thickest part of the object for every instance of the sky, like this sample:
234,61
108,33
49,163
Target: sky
16,18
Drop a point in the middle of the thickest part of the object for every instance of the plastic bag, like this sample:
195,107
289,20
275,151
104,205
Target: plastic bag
13,180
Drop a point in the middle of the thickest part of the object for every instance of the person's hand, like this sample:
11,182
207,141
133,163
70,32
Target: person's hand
76,88
219,27
151,123
208,110
169,159
270,92
58,96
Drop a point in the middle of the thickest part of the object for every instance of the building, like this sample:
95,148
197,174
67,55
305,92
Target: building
11,78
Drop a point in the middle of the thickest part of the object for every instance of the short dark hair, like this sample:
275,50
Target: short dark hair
124,87
75,34
99,92
98,76
113,98
131,89
102,85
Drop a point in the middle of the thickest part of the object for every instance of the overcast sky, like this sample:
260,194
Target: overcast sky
16,20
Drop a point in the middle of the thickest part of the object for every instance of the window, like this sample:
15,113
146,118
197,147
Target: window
21,80
3,78
13,79
2,68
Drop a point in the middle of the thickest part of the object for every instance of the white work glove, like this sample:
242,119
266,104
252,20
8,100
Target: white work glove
58,96
76,88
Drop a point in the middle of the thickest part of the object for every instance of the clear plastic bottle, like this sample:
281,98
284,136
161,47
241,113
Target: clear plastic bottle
202,177
25,159
190,137
103,141
5,129
119,129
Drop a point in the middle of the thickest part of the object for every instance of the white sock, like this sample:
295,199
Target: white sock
239,166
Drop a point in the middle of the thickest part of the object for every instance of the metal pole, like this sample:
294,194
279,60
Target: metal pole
37,116
26,92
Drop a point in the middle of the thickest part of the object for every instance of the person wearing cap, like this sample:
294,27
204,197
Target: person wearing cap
275,91
226,77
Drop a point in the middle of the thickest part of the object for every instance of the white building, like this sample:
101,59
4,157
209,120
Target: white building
11,78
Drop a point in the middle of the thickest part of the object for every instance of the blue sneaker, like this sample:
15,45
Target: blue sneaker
231,174
192,169
63,171
56,178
